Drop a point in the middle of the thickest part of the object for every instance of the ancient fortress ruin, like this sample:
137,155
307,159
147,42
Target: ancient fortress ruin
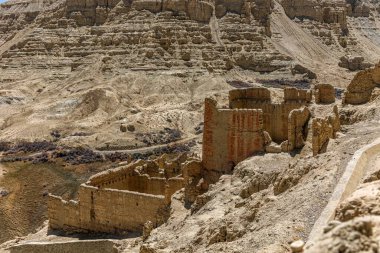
126,198
253,123
121,199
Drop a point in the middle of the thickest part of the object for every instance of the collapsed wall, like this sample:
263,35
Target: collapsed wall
324,94
106,210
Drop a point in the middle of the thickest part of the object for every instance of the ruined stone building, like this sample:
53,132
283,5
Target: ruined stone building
253,123
121,199
126,198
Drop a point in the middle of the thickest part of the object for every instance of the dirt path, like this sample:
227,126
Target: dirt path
145,149
2,171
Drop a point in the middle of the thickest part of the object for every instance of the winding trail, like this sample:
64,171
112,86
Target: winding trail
1,172
145,149
364,158
2,169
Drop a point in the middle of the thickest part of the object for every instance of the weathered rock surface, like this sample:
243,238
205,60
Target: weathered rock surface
353,63
360,89
358,235
365,201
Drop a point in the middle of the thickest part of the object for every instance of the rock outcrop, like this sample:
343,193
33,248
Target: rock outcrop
324,129
360,89
322,11
358,235
364,201
353,63
356,227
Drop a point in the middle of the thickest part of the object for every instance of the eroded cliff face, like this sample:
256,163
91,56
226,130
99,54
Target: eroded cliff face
338,24
212,36
55,53
67,50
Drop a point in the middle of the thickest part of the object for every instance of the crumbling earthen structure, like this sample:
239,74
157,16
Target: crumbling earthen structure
324,94
121,199
253,123
138,194
275,115
324,129
249,126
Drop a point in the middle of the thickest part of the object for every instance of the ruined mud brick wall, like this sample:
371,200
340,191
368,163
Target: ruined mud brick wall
322,133
141,183
324,94
129,178
63,214
360,89
117,200
111,210
229,137
195,185
108,177
297,95
107,210
275,115
324,129
173,185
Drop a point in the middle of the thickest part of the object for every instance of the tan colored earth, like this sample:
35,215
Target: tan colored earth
130,78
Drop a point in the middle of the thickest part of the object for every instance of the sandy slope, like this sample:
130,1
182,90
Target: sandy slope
292,40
